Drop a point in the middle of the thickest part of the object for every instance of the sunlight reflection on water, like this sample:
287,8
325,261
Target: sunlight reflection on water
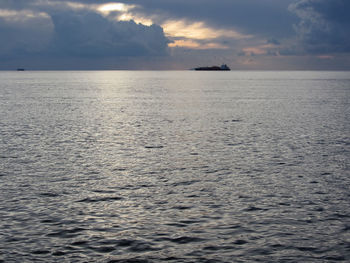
174,166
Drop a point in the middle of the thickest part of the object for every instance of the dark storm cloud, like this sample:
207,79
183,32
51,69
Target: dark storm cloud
324,25
90,34
24,32
56,32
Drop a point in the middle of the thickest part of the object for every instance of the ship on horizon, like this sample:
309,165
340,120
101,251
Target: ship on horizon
223,67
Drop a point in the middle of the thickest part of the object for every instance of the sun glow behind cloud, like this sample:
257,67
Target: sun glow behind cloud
111,7
124,13
197,30
182,33
198,35
137,19
192,44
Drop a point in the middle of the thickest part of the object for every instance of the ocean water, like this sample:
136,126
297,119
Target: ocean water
137,166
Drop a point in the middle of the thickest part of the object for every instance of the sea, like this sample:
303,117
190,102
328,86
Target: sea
174,166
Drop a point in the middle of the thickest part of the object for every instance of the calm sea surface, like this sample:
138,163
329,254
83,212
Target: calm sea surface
134,166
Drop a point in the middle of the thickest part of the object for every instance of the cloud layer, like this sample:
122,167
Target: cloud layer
249,34
90,34
324,25
72,31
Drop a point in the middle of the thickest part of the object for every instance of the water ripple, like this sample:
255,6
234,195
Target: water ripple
146,167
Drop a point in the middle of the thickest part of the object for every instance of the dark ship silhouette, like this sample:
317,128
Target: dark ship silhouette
223,67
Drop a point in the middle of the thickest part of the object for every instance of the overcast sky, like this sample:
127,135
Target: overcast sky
175,34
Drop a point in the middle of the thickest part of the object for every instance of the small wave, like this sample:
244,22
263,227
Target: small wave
103,191
154,146
212,171
185,182
132,244
180,207
341,215
176,224
103,249
129,260
40,252
125,242
100,199
278,246
313,182
284,204
260,251
49,194
242,196
254,208
66,233
172,258
184,239
306,248
119,169
240,242
192,196
141,247
212,248
79,243
233,144
233,120
189,222
334,258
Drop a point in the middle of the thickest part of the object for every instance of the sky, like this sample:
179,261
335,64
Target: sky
175,34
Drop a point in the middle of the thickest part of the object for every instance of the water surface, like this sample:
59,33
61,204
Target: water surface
134,166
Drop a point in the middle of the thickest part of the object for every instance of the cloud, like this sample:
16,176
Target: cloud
184,33
115,7
24,32
91,34
56,30
174,33
323,26
191,44
259,17
197,30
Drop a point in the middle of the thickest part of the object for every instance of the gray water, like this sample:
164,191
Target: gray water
130,166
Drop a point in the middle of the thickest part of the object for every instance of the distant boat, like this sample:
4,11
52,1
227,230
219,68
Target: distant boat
223,67
20,69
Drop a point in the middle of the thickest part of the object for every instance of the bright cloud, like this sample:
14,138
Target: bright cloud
111,7
197,30
191,44
22,15
137,19
192,34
